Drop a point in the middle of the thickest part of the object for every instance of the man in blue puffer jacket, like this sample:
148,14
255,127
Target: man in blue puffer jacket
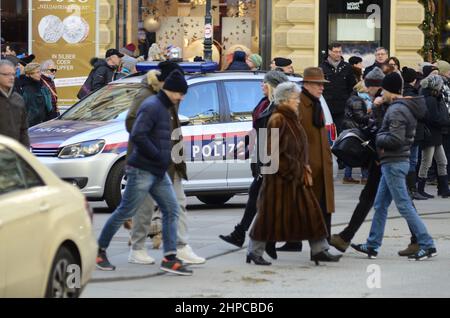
147,173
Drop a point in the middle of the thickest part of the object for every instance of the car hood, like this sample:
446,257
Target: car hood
56,133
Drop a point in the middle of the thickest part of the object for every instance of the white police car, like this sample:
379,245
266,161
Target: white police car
87,145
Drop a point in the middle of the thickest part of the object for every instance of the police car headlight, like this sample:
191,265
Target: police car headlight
82,150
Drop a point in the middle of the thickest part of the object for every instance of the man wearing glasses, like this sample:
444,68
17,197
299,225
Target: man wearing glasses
48,74
13,116
381,57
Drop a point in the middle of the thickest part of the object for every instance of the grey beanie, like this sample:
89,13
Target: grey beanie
274,78
433,82
374,78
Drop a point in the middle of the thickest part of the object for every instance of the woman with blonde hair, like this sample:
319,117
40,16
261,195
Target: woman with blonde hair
37,97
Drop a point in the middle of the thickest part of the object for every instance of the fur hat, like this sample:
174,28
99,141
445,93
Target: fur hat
444,66
176,82
433,82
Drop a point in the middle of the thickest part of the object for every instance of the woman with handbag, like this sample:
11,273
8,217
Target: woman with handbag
436,121
287,207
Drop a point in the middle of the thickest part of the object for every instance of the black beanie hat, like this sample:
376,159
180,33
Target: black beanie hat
166,68
176,82
393,83
282,62
355,60
427,69
409,74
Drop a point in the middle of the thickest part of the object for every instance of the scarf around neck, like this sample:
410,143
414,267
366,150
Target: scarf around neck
318,115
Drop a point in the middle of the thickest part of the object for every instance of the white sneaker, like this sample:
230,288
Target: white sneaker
140,257
187,255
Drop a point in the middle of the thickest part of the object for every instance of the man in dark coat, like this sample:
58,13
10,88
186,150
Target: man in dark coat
393,143
13,115
341,82
147,173
381,57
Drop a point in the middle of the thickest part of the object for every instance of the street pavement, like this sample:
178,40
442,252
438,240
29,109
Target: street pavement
293,275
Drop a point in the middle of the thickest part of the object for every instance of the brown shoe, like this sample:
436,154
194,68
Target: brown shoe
339,243
364,181
349,181
410,250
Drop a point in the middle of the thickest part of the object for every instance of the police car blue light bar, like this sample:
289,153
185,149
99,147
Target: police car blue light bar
188,67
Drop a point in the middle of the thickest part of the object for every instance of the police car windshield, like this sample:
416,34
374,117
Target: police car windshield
109,103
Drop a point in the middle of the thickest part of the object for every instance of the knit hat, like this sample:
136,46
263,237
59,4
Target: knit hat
256,59
128,49
393,83
427,69
166,68
444,66
374,78
282,62
433,82
422,65
176,82
355,60
409,74
129,63
274,78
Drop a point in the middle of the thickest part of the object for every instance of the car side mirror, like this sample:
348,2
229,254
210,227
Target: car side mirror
184,120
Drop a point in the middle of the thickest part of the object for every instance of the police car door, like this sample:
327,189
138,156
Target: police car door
202,138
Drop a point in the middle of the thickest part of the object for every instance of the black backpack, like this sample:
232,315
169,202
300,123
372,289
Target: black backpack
354,148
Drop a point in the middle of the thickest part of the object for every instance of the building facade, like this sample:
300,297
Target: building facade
298,29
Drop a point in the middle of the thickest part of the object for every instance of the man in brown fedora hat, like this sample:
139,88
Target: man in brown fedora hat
313,121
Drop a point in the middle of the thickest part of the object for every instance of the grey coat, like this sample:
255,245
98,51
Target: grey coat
13,117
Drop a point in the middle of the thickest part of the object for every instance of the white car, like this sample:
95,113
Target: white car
87,145
47,245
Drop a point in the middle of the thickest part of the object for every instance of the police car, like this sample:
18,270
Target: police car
87,144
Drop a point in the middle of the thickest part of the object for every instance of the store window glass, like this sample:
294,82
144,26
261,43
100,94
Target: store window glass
357,25
14,25
181,24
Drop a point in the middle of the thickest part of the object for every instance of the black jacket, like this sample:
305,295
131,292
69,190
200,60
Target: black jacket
13,118
102,74
151,136
239,62
342,80
436,120
38,101
396,136
356,115
409,90
371,67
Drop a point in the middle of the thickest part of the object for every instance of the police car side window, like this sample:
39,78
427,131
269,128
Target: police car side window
243,96
201,104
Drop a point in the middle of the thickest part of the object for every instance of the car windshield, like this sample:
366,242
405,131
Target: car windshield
109,103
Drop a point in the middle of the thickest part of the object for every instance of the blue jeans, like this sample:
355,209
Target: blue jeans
139,184
414,159
393,187
349,171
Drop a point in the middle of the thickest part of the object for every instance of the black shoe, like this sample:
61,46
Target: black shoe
270,250
325,256
236,238
258,260
421,188
422,255
102,261
363,248
418,197
443,189
291,247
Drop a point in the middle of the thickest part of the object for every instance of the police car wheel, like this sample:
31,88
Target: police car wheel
215,199
113,190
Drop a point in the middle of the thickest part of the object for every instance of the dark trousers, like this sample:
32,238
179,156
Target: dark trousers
365,204
250,208
446,144
338,120
327,216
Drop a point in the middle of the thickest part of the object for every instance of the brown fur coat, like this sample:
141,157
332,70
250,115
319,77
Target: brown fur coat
287,209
